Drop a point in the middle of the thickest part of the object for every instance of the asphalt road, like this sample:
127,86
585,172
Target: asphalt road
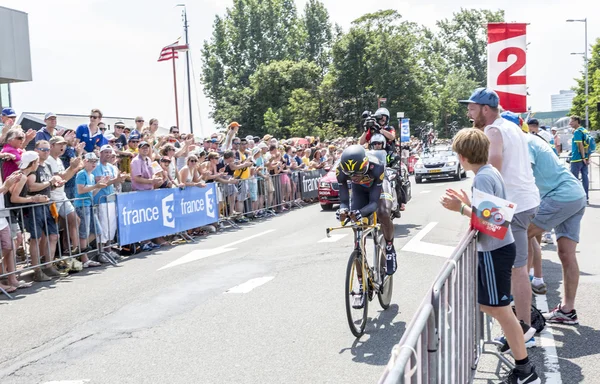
262,304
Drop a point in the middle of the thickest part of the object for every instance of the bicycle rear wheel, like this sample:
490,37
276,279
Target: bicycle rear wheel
385,291
357,317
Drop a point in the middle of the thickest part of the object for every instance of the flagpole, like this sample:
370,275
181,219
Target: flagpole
187,58
175,88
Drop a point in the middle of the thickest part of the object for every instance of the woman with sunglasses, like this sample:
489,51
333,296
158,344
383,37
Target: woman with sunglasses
12,150
165,165
189,175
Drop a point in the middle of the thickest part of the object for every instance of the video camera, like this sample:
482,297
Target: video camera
370,122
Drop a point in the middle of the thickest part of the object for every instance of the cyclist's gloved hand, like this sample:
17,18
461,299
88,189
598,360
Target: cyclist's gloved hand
341,213
356,215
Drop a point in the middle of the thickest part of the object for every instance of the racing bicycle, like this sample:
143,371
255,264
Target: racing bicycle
374,279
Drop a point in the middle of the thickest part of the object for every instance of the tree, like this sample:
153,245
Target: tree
593,90
252,33
376,58
273,123
316,34
465,41
304,112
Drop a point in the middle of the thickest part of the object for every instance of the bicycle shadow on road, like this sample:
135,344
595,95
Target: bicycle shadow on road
381,334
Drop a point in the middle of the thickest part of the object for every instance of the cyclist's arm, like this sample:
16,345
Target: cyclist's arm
344,191
374,193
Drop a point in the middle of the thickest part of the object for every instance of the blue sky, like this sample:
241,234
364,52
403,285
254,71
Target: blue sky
102,53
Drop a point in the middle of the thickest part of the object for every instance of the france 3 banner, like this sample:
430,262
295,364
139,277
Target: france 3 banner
507,58
405,130
149,214
490,214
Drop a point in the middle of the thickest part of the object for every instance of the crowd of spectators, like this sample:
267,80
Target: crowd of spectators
59,198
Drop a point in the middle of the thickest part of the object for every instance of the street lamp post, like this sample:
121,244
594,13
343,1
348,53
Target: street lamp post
585,58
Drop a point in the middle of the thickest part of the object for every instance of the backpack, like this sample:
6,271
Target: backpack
537,319
589,144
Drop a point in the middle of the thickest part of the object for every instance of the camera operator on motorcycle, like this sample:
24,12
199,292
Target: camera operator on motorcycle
393,175
382,119
370,192
380,127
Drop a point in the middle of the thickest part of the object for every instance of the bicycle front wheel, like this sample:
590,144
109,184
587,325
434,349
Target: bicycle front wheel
356,296
385,291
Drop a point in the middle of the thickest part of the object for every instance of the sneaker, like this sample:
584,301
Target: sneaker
154,245
528,333
147,247
541,289
103,259
40,276
390,256
518,376
558,316
358,299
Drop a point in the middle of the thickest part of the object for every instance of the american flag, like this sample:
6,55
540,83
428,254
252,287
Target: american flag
169,52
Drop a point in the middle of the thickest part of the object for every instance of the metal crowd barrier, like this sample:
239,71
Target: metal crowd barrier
593,169
260,197
445,339
21,258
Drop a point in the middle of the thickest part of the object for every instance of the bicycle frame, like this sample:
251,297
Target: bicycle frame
361,231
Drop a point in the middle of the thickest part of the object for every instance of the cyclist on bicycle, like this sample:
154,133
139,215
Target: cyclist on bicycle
370,192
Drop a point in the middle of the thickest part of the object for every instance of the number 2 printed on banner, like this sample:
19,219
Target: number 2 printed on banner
508,77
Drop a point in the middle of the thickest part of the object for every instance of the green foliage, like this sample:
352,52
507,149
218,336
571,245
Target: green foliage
464,39
296,75
593,89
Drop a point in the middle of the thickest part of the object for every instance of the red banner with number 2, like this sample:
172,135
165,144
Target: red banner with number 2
507,54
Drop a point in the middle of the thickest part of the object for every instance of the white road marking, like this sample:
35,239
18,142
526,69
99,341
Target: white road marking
417,246
425,191
68,381
441,184
250,285
551,365
204,253
333,238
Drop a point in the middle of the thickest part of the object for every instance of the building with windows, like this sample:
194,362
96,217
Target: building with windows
563,101
15,60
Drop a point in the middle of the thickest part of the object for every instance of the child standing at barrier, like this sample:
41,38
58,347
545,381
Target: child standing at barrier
496,257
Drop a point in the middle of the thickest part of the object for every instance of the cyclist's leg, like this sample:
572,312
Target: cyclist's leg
358,200
384,209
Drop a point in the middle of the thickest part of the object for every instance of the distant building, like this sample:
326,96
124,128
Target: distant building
563,101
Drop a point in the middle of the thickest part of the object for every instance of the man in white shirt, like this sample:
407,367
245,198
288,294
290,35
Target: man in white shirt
509,153
58,194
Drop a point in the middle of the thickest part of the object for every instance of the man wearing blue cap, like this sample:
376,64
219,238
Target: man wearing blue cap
509,153
8,120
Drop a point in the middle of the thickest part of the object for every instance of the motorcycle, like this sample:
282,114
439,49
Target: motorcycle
397,175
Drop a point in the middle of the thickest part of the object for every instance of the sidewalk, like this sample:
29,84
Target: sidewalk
565,354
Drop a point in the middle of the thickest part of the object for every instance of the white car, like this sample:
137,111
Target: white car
438,163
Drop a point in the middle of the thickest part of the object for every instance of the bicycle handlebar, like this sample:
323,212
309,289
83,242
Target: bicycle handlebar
363,224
